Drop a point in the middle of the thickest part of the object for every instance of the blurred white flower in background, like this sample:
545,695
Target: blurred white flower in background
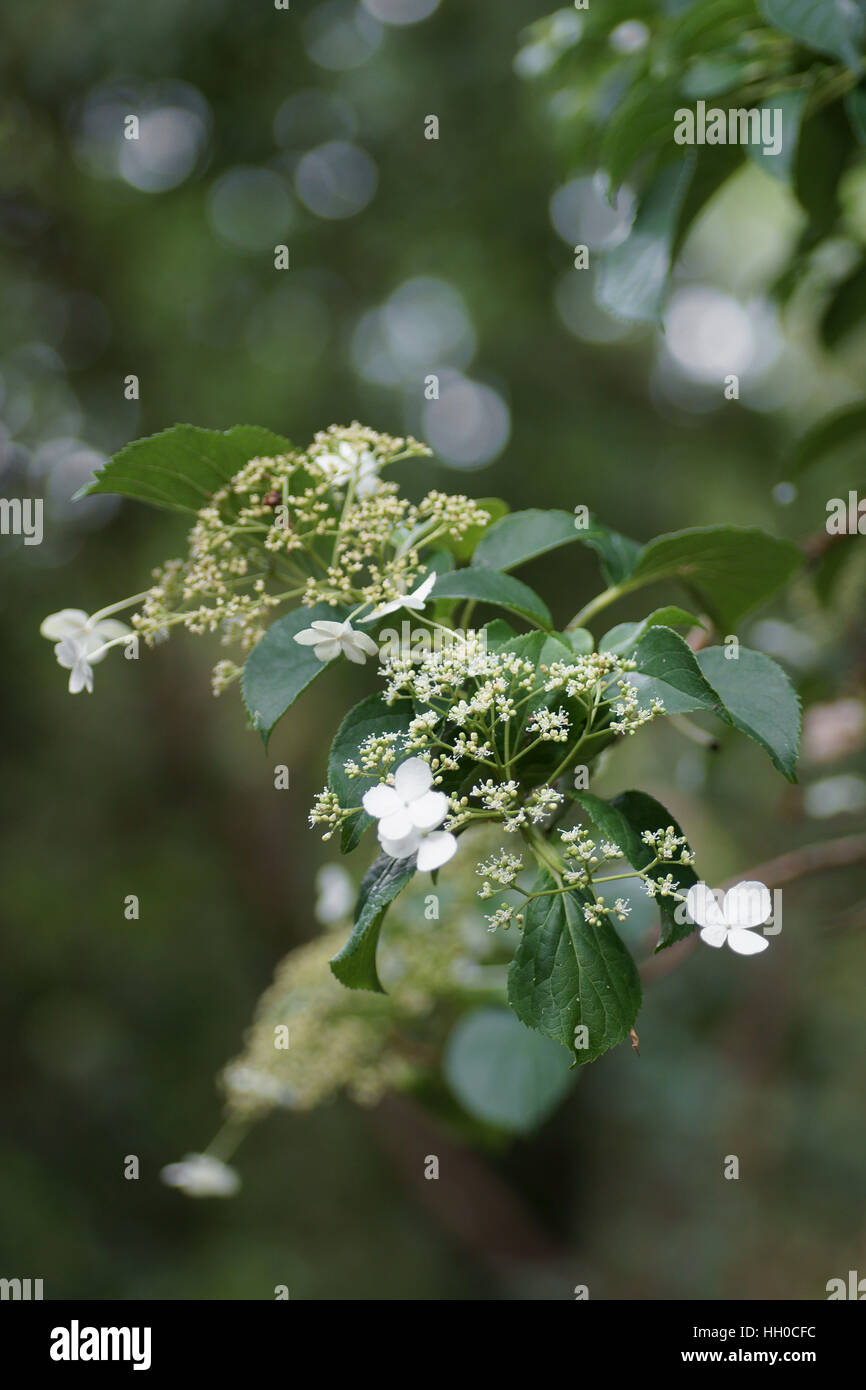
200,1175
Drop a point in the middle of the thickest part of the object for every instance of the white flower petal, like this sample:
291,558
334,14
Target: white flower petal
69,622
326,651
382,609
413,778
381,801
747,905
352,652
714,936
745,942
435,850
703,907
308,638
109,628
366,643
397,825
331,629
400,849
423,589
429,810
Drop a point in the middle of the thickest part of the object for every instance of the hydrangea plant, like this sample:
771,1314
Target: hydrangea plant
301,560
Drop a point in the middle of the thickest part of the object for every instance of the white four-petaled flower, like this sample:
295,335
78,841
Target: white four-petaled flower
81,642
408,814
201,1175
743,907
414,601
349,463
330,639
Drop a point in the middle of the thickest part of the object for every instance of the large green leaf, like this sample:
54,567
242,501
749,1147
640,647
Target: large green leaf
521,536
641,123
623,821
567,973
732,568
489,586
828,26
760,701
503,1073
625,636
371,716
632,283
355,965
672,674
279,668
182,467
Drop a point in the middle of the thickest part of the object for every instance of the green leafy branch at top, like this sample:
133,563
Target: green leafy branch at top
625,73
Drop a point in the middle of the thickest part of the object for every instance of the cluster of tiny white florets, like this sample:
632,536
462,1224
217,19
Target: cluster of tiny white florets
594,913
259,541
666,887
549,726
377,754
503,917
327,811
501,868
582,855
629,714
584,674
668,846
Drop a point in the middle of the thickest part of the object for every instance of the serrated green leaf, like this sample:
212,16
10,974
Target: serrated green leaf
490,586
355,965
503,1073
668,665
567,973
371,716
632,282
760,702
279,668
625,636
623,821
521,536
732,568
182,467
827,26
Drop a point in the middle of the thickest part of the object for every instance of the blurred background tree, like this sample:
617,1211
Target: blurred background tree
155,258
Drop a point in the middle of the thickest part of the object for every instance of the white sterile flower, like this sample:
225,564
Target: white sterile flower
330,639
81,643
93,632
408,814
336,894
200,1175
71,656
349,463
744,907
414,601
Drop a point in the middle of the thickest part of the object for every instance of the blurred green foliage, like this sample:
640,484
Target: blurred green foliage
114,1030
